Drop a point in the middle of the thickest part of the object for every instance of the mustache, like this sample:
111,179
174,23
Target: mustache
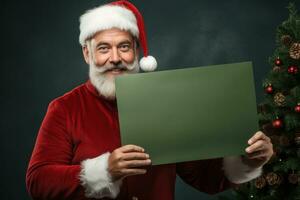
119,66
128,68
108,67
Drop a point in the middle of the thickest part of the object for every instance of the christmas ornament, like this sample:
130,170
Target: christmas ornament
273,179
295,51
279,99
293,178
269,89
284,140
260,182
293,69
277,123
297,108
276,69
286,40
278,62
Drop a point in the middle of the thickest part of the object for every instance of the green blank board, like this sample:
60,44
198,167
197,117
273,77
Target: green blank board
188,114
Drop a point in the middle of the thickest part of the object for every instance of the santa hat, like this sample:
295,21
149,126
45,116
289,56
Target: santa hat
119,14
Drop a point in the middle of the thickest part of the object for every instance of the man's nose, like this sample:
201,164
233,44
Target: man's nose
115,57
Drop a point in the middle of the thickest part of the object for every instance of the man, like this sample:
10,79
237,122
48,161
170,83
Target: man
78,154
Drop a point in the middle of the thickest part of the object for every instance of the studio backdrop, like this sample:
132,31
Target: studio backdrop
41,59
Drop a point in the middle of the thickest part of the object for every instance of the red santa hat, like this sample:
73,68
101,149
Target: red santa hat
119,14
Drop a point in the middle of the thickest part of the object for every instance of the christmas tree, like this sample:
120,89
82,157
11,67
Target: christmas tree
279,118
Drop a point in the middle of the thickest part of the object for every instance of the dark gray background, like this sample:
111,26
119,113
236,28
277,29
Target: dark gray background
41,59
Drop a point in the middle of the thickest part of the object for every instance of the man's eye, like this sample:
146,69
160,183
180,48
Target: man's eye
125,47
103,49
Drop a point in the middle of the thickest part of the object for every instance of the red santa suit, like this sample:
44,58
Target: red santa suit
81,128
69,160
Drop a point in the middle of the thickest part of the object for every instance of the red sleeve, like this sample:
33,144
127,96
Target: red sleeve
204,175
50,174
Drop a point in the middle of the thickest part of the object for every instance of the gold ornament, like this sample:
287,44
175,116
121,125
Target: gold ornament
260,182
286,40
273,179
279,99
295,51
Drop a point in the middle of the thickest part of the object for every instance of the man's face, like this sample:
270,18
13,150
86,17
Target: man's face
110,53
114,47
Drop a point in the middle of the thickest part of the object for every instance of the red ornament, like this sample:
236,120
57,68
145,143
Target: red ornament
269,89
278,62
293,69
297,108
277,123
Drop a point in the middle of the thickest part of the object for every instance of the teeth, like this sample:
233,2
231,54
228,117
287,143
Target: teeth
116,70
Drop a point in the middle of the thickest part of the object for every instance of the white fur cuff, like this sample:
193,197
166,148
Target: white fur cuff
238,172
97,180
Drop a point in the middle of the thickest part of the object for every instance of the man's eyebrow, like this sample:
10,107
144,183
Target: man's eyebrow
101,43
125,42
105,43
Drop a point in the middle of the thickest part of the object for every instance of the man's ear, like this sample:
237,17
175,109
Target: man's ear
86,54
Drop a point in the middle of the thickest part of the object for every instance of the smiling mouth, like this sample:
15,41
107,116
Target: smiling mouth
116,70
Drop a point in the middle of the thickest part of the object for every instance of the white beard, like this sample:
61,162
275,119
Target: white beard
106,85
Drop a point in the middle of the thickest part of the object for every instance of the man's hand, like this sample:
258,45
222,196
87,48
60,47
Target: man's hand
127,160
260,150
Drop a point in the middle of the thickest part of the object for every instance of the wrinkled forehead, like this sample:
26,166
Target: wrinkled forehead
113,37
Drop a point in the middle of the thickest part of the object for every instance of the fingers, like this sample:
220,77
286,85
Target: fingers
258,136
135,156
259,151
260,147
256,154
257,146
128,160
131,148
136,163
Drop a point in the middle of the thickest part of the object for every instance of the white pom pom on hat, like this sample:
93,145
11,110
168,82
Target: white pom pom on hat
119,14
148,63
